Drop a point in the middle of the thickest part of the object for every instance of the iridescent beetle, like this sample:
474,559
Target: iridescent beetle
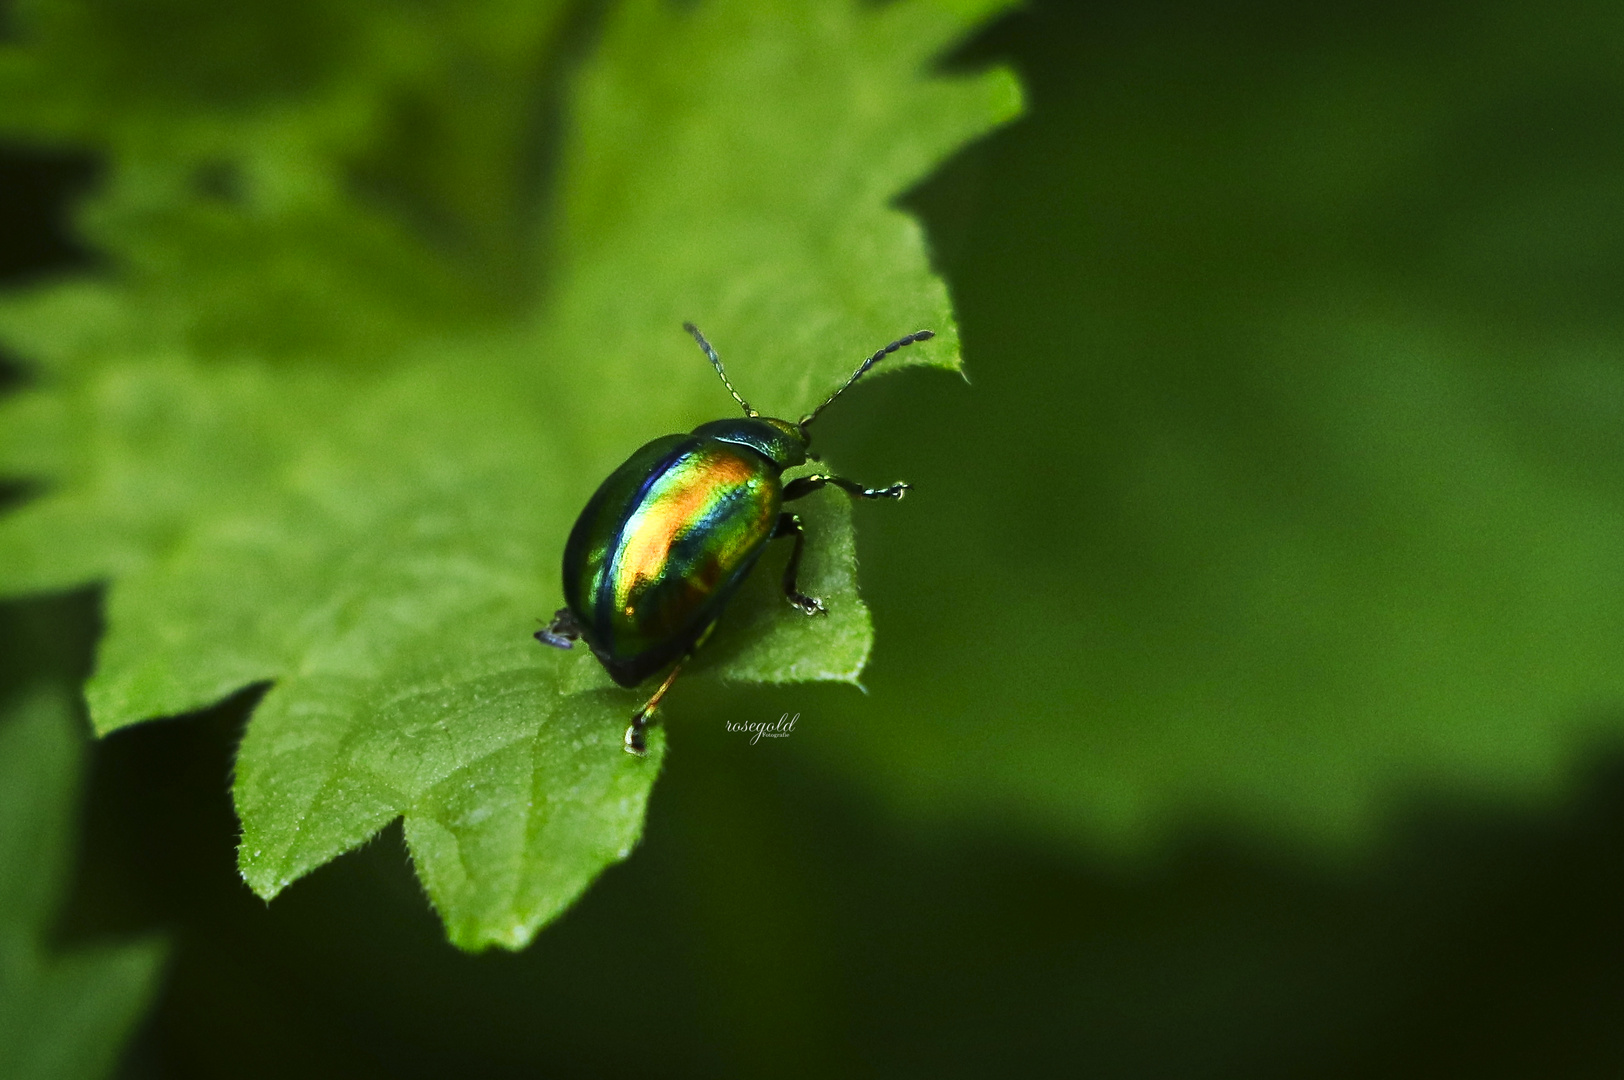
667,539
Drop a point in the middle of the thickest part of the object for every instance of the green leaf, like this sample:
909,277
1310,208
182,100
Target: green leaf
366,362
61,1015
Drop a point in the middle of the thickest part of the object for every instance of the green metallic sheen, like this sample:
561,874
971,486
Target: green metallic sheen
669,536
778,441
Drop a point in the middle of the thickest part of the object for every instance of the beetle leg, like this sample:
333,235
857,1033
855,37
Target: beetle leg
790,525
806,485
636,743
562,632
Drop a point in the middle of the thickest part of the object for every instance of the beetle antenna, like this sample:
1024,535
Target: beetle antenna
716,362
918,335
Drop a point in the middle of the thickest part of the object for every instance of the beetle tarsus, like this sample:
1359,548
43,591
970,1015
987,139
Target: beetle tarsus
808,605
636,741
806,485
562,632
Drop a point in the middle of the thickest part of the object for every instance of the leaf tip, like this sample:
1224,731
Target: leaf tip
105,716
513,931
261,880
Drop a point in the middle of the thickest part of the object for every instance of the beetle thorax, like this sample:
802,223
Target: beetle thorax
779,441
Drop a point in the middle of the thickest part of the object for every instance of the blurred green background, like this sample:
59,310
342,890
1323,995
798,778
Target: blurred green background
1245,700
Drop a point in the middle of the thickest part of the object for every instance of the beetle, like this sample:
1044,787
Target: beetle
668,538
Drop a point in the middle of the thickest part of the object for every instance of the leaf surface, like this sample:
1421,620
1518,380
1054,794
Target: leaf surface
329,426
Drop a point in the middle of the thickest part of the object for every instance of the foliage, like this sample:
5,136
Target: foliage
1281,507
66,1014
368,337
